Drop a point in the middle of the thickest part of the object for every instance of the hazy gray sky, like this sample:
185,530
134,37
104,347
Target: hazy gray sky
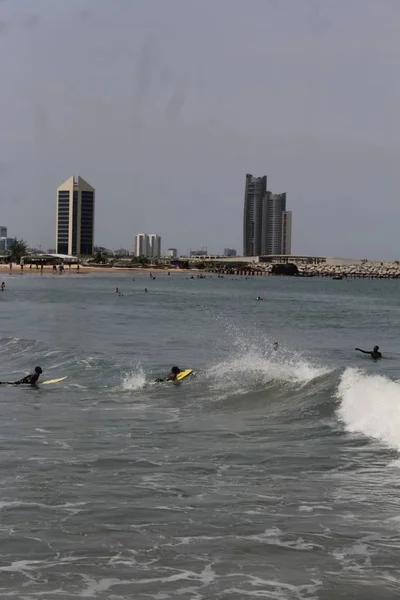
164,106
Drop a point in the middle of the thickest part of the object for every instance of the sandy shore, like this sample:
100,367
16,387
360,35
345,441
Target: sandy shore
87,269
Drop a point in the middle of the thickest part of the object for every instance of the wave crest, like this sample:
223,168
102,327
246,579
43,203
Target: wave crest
370,404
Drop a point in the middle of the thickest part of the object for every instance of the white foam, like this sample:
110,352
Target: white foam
370,404
103,585
134,380
70,507
236,375
274,537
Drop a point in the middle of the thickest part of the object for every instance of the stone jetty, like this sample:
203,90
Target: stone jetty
360,270
356,271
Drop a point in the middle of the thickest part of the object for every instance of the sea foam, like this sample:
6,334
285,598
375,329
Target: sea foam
370,404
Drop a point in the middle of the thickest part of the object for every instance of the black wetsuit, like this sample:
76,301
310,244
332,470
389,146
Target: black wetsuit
373,353
28,380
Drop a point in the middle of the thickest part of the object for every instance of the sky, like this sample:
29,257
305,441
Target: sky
164,106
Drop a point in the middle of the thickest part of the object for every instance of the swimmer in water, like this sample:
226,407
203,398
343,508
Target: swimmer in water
275,346
375,354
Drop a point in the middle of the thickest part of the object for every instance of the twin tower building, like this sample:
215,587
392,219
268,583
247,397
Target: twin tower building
267,225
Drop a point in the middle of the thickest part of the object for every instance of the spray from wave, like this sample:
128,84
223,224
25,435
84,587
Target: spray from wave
370,404
134,380
253,365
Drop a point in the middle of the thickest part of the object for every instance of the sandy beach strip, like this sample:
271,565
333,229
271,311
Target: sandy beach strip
16,268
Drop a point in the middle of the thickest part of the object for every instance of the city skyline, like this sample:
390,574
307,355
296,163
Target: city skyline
166,135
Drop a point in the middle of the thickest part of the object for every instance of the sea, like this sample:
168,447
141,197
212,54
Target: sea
265,475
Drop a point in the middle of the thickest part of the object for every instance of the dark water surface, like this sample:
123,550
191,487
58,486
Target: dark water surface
268,475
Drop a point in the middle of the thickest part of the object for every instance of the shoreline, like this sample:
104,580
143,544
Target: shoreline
88,269
367,271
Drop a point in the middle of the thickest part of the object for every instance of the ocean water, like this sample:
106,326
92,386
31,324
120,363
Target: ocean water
269,474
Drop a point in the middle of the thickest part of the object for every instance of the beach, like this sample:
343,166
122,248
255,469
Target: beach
16,268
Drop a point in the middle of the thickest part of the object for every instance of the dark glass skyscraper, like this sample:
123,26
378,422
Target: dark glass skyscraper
267,226
255,191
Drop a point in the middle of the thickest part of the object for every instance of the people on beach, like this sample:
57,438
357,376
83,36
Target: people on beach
28,380
375,354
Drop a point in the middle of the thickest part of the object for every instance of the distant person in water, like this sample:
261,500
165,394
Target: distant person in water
172,375
374,353
275,346
3,286
28,380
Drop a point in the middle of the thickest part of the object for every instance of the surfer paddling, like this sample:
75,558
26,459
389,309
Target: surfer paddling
172,375
28,380
375,354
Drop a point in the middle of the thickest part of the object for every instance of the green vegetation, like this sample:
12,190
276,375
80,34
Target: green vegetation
17,249
140,260
100,259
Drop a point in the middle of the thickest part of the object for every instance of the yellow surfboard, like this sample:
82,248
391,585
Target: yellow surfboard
53,380
183,374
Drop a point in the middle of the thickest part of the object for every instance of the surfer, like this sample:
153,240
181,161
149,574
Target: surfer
375,354
275,346
173,374
28,380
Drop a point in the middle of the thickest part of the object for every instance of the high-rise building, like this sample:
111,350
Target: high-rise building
147,245
287,232
255,190
3,231
141,245
75,218
154,245
5,243
172,253
274,206
267,225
